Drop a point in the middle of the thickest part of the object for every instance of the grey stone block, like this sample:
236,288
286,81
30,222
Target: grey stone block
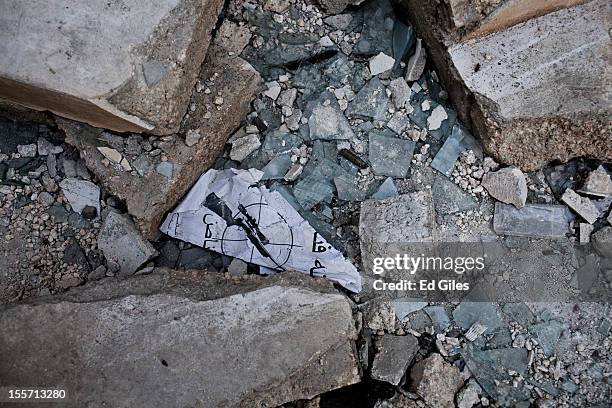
149,347
81,193
530,91
121,243
132,73
395,353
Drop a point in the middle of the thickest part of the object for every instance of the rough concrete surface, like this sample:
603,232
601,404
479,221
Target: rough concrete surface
150,195
169,349
122,65
531,92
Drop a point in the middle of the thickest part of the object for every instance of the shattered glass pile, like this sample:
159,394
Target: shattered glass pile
339,124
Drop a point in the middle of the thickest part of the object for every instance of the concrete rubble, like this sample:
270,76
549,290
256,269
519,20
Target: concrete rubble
436,381
121,244
598,183
507,185
395,353
80,194
169,179
387,138
581,205
159,330
523,104
133,73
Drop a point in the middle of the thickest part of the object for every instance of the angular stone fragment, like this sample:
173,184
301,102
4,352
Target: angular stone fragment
438,115
340,21
395,353
80,194
243,146
535,104
299,342
273,90
436,381
416,63
381,63
233,37
469,395
378,315
165,168
585,231
148,194
602,242
598,183
351,188
490,368
400,92
582,205
28,150
533,220
121,243
389,156
371,102
287,97
110,154
294,172
507,185
133,73
399,123
337,6
192,137
46,148
328,123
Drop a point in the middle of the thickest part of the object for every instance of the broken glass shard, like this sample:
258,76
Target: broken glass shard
403,40
439,317
311,191
386,190
389,156
469,313
277,167
548,334
371,102
533,220
405,306
445,159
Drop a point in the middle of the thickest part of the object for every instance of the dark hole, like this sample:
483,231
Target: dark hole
164,363
477,67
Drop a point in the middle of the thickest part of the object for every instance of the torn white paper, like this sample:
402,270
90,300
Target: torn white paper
227,212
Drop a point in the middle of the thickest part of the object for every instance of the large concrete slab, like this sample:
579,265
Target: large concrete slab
146,342
533,89
479,17
123,65
151,188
